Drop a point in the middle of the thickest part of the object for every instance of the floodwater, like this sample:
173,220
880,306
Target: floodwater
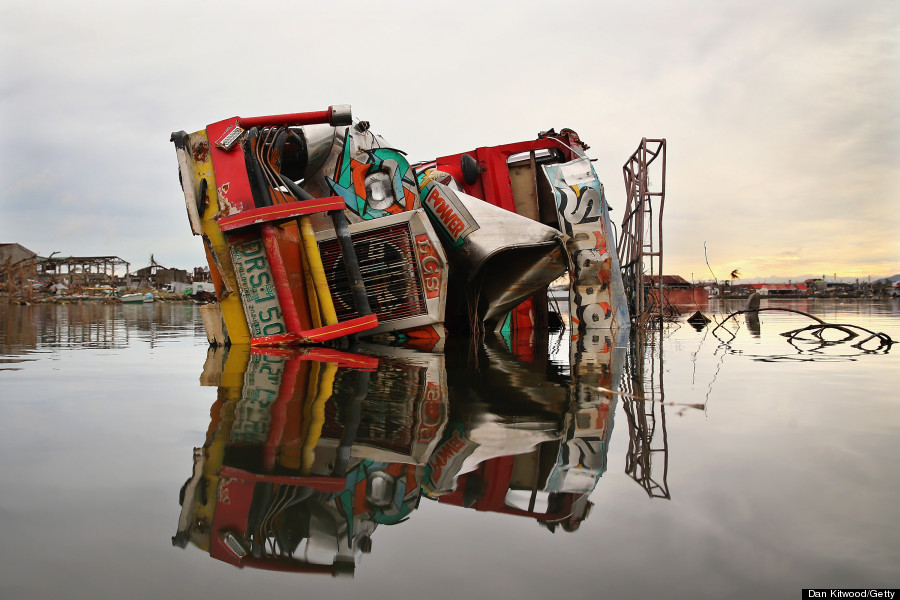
726,463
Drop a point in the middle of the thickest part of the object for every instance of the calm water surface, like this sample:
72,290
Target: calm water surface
722,464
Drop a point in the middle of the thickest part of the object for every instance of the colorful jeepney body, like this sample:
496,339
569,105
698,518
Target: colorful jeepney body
265,196
547,182
315,228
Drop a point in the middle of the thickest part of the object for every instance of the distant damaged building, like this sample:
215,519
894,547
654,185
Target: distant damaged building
83,271
18,265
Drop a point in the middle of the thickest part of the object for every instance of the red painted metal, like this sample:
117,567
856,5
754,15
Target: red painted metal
232,506
493,185
330,332
280,279
303,118
320,334
231,172
235,495
280,212
282,339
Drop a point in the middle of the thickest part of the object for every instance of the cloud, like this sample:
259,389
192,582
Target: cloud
780,119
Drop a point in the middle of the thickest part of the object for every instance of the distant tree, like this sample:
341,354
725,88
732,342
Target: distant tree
736,274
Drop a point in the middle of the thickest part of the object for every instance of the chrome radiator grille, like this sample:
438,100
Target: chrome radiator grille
387,261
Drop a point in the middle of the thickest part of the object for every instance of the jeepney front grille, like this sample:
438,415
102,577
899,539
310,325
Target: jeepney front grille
389,270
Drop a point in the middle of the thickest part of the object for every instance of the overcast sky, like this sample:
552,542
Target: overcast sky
781,117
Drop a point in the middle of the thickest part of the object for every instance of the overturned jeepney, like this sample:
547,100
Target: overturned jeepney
316,228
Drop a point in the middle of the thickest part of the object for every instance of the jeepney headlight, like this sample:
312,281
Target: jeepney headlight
379,191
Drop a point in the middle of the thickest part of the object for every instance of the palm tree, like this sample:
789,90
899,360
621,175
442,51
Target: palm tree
735,274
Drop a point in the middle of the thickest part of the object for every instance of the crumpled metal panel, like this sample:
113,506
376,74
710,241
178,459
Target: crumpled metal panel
596,295
507,257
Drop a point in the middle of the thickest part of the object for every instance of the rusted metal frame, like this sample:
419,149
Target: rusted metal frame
91,267
646,224
656,251
641,226
661,150
630,252
637,236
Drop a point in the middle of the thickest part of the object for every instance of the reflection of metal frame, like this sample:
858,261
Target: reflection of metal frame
642,421
408,291
644,397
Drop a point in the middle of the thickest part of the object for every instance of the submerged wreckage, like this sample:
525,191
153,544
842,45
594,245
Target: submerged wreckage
316,228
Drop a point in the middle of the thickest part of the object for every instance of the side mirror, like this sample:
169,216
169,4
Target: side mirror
470,169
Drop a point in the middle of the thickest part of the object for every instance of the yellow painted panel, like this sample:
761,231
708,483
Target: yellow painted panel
229,298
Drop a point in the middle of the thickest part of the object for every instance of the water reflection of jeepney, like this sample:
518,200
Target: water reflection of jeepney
307,452
316,228
524,438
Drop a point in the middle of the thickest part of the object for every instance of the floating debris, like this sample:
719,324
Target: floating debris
817,330
698,318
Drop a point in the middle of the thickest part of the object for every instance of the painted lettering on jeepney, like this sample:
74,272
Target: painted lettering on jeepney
449,219
593,264
254,278
447,212
431,266
580,206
